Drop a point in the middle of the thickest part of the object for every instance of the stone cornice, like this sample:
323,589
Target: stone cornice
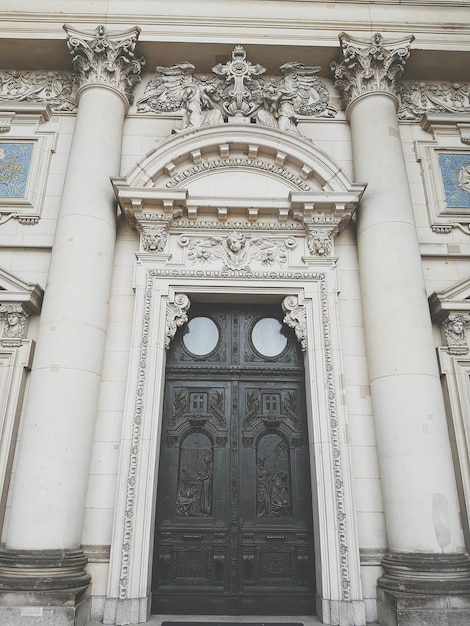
107,59
32,40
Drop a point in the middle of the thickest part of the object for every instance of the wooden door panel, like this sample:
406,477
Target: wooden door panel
233,530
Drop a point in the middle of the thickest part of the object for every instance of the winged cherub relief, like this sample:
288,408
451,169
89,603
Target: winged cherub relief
237,90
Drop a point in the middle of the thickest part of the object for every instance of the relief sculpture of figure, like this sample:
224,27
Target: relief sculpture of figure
186,495
279,495
262,488
298,92
13,322
279,109
175,88
455,329
197,100
272,479
205,494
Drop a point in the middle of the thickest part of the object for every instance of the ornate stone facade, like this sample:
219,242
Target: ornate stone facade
252,163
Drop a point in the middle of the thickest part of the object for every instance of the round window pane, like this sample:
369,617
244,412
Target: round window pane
268,337
201,335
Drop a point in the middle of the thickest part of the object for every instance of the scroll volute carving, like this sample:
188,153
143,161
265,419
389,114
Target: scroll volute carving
176,316
296,318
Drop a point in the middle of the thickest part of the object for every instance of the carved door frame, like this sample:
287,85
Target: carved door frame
159,309
239,213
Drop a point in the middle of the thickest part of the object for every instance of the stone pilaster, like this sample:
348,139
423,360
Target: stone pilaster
420,499
44,533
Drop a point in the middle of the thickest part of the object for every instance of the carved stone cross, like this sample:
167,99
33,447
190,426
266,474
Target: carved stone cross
237,71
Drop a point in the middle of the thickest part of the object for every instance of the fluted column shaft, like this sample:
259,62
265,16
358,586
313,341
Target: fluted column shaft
53,462
420,497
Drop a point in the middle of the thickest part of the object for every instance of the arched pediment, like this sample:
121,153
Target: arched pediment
237,170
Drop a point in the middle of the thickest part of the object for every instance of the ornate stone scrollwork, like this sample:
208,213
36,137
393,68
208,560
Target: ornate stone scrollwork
296,318
454,328
238,91
13,320
419,98
369,65
54,88
236,250
106,58
176,316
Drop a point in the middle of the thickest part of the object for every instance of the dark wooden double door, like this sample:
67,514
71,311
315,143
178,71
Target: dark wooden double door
233,519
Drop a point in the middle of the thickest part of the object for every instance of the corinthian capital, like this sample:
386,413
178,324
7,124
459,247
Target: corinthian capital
369,66
103,58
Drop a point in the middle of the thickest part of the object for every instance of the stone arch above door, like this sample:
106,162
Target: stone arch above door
239,172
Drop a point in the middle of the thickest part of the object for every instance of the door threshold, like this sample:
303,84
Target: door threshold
174,620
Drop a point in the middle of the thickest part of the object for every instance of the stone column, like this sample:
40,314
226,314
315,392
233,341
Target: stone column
44,532
426,550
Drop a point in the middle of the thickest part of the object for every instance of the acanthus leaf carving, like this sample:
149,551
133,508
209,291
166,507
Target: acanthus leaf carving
106,58
369,65
176,316
237,91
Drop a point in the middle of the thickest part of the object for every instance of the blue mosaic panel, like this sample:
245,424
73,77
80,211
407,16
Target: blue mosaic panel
15,161
455,170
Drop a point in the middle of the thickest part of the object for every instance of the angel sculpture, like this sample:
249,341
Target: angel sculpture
176,88
298,92
237,90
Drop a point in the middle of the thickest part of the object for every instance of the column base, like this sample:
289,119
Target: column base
46,608
44,587
427,589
